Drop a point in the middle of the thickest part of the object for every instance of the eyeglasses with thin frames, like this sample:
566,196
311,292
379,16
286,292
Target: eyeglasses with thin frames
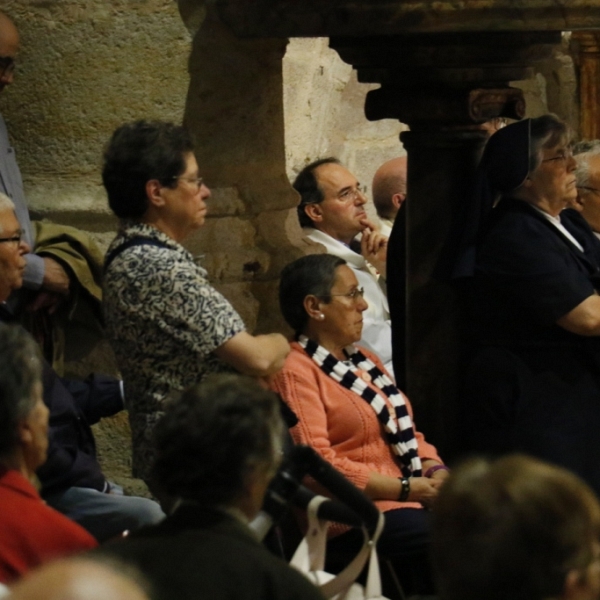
563,155
352,194
15,239
355,294
197,181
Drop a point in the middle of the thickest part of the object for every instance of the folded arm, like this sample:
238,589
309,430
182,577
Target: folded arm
258,356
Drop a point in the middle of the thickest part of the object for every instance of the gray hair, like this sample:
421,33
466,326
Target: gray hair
583,151
6,203
217,433
20,370
547,131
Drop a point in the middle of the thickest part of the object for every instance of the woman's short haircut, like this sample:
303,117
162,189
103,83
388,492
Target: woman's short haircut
310,275
512,529
547,131
214,437
307,186
20,370
138,152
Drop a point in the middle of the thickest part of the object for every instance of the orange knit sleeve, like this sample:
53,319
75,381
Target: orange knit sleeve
303,396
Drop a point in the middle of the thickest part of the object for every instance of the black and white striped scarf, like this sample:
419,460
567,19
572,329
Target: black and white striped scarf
399,427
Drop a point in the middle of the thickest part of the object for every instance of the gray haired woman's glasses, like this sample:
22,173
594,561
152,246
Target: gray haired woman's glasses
355,294
15,239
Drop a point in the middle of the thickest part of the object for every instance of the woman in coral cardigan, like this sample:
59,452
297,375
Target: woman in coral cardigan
348,407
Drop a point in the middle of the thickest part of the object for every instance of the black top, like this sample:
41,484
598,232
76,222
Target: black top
204,553
528,275
531,386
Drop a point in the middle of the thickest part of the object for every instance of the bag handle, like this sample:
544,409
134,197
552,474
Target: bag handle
310,555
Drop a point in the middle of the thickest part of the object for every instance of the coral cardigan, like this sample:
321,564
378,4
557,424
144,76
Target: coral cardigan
340,425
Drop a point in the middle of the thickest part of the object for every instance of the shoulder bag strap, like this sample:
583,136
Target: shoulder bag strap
134,241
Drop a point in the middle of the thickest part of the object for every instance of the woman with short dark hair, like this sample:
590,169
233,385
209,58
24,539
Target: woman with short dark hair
349,408
168,326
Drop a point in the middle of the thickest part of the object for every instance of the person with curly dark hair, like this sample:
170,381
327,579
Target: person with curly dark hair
167,325
217,448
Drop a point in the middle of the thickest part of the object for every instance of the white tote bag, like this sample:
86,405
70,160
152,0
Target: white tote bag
309,559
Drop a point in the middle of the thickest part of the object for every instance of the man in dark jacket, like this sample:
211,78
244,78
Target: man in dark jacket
72,480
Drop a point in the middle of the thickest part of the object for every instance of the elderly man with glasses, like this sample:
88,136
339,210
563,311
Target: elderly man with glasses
71,478
332,213
587,155
41,273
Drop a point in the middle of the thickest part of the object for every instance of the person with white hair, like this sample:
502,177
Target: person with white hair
587,155
71,477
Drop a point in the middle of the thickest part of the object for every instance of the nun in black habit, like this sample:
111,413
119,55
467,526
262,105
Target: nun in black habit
532,381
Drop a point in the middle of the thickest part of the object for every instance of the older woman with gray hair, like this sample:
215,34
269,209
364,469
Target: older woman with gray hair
31,533
533,375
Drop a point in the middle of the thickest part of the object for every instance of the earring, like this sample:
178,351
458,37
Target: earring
320,316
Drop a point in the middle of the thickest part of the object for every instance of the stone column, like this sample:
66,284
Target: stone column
235,109
587,57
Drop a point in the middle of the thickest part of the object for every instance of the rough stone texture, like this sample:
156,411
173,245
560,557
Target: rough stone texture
554,87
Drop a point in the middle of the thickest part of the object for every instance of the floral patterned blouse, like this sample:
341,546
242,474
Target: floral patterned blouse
164,320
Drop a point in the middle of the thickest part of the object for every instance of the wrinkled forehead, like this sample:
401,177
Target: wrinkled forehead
8,221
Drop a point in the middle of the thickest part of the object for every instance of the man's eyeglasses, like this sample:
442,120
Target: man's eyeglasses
589,189
15,239
352,194
355,294
563,155
197,181
7,65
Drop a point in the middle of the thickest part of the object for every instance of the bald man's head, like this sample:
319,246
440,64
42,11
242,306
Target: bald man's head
79,579
389,187
9,47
